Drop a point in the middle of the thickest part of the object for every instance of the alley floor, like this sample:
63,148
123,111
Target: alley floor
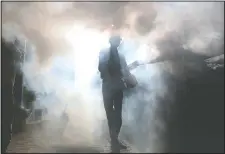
33,140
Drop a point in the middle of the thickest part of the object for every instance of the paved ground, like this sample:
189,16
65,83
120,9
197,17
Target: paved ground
29,141
35,141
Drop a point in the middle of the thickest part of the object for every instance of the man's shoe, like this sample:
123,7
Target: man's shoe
122,146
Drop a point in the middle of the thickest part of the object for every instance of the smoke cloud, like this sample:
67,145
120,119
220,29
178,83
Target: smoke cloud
63,42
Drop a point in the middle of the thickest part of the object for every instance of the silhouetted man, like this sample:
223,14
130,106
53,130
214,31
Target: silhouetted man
112,67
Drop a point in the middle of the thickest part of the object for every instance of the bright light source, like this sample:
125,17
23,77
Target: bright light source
142,53
86,44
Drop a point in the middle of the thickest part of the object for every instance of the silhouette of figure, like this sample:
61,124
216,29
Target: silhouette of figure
112,67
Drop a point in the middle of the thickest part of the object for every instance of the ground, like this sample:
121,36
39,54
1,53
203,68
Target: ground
32,140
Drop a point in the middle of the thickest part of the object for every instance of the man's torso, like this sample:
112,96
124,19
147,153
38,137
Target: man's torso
111,82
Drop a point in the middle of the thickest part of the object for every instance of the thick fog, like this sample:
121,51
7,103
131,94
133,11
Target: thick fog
63,40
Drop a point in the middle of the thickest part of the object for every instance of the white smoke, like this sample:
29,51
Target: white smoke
64,40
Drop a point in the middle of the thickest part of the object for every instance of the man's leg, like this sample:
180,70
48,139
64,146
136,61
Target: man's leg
118,102
118,98
108,104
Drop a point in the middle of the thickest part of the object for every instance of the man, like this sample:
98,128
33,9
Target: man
113,67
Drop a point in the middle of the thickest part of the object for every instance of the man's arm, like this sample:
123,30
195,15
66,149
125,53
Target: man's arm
124,66
102,64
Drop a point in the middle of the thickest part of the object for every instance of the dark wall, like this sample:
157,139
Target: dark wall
197,124
7,74
13,116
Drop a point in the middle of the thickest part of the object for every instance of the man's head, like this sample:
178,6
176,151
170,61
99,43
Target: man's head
115,40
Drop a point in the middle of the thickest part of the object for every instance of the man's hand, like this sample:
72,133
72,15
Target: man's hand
135,64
